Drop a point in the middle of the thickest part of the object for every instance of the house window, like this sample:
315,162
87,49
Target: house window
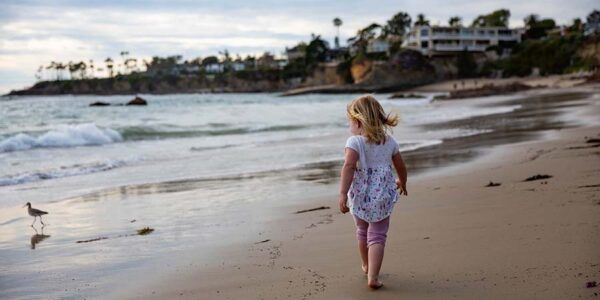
425,44
504,32
424,32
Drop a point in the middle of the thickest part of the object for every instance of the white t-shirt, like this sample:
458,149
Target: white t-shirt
375,155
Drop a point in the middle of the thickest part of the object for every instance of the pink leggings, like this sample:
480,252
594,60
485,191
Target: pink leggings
372,233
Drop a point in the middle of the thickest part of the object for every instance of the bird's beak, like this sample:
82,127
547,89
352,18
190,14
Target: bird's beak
24,205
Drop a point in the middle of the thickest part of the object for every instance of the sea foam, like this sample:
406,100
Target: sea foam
64,171
63,137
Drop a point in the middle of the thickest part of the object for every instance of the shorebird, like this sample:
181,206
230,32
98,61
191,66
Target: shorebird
35,213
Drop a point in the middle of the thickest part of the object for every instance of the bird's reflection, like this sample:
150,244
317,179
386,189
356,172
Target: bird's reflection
37,237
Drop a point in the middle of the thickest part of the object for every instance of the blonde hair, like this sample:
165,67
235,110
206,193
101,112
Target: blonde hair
375,123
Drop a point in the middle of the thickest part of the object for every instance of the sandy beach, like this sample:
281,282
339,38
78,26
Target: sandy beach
452,237
229,228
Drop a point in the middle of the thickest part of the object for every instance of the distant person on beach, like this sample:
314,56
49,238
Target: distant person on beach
368,191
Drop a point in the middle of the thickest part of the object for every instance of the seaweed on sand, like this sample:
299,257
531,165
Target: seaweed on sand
145,230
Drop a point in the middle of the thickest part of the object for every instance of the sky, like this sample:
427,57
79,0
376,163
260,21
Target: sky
36,32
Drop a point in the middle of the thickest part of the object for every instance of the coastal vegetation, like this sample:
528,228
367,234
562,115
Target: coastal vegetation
374,58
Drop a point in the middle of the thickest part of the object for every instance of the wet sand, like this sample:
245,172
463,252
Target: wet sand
452,237
551,81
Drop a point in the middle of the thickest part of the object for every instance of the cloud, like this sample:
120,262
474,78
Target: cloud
33,33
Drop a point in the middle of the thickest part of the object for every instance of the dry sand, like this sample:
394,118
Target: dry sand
452,237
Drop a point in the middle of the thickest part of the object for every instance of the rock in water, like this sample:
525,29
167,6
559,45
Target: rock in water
137,101
99,103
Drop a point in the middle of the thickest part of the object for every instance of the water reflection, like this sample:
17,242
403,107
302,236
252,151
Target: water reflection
37,237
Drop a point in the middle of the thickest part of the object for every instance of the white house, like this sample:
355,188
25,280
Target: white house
377,45
440,40
238,66
281,63
294,53
214,68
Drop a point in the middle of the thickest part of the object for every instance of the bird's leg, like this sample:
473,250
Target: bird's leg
42,221
34,217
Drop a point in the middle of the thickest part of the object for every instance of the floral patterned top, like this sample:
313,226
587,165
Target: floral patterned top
372,194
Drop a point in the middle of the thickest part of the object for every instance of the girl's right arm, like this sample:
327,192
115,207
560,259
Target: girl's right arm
401,170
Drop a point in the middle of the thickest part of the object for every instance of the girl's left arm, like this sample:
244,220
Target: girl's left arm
401,170
351,157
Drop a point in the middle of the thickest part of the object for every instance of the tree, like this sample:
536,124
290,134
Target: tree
59,69
531,20
537,28
39,73
337,22
72,69
363,36
316,51
124,55
421,21
249,62
592,20
91,65
397,25
109,66
196,61
82,68
130,64
455,21
52,66
226,60
577,26
593,17
498,18
210,60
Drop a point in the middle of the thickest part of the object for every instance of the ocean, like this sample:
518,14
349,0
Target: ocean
194,167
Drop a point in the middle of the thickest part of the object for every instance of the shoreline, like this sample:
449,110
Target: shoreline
451,237
441,86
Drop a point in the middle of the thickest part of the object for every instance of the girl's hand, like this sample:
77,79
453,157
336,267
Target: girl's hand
342,203
402,186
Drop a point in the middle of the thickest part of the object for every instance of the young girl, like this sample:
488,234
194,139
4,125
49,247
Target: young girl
369,190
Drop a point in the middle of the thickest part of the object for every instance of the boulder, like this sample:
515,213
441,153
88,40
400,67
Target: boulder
99,103
404,96
137,101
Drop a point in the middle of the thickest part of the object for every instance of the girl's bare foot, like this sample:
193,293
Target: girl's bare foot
365,269
374,284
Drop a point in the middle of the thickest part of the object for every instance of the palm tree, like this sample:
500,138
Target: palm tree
51,66
337,22
82,67
39,73
124,58
130,64
455,21
109,66
59,68
421,21
72,69
91,65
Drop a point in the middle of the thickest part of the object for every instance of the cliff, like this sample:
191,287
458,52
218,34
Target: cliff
140,84
404,70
